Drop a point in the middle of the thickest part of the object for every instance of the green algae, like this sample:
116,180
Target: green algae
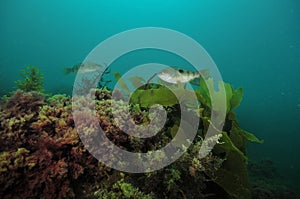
232,176
121,189
32,80
207,92
121,82
150,97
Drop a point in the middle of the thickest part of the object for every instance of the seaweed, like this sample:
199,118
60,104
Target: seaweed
233,97
32,80
42,155
121,189
137,81
121,82
147,98
233,175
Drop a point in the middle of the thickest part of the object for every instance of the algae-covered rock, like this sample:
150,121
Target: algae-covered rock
42,155
267,183
121,189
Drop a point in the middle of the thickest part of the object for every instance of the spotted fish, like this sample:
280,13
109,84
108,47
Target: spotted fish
86,67
175,75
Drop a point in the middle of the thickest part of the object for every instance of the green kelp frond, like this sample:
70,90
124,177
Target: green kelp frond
150,97
236,98
240,137
232,176
121,82
203,93
137,81
162,95
252,138
224,93
32,80
233,97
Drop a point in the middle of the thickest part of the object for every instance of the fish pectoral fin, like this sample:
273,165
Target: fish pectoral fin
164,83
181,85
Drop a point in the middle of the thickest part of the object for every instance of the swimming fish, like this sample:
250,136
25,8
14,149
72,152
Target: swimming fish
175,75
86,67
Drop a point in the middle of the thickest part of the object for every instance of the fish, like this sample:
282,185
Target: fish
86,67
175,75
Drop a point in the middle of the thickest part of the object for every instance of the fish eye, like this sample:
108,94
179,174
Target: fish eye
180,70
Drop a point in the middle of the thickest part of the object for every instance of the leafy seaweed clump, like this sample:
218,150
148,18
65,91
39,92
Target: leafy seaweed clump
41,155
232,176
32,80
121,189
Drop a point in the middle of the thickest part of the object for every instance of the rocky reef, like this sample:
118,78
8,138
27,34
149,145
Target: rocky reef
266,182
42,156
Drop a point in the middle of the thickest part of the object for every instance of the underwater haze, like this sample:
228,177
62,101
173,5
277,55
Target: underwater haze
255,45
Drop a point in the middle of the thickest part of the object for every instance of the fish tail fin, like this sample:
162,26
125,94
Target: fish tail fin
204,73
67,71
196,81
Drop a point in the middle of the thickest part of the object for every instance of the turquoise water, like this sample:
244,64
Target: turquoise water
255,45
